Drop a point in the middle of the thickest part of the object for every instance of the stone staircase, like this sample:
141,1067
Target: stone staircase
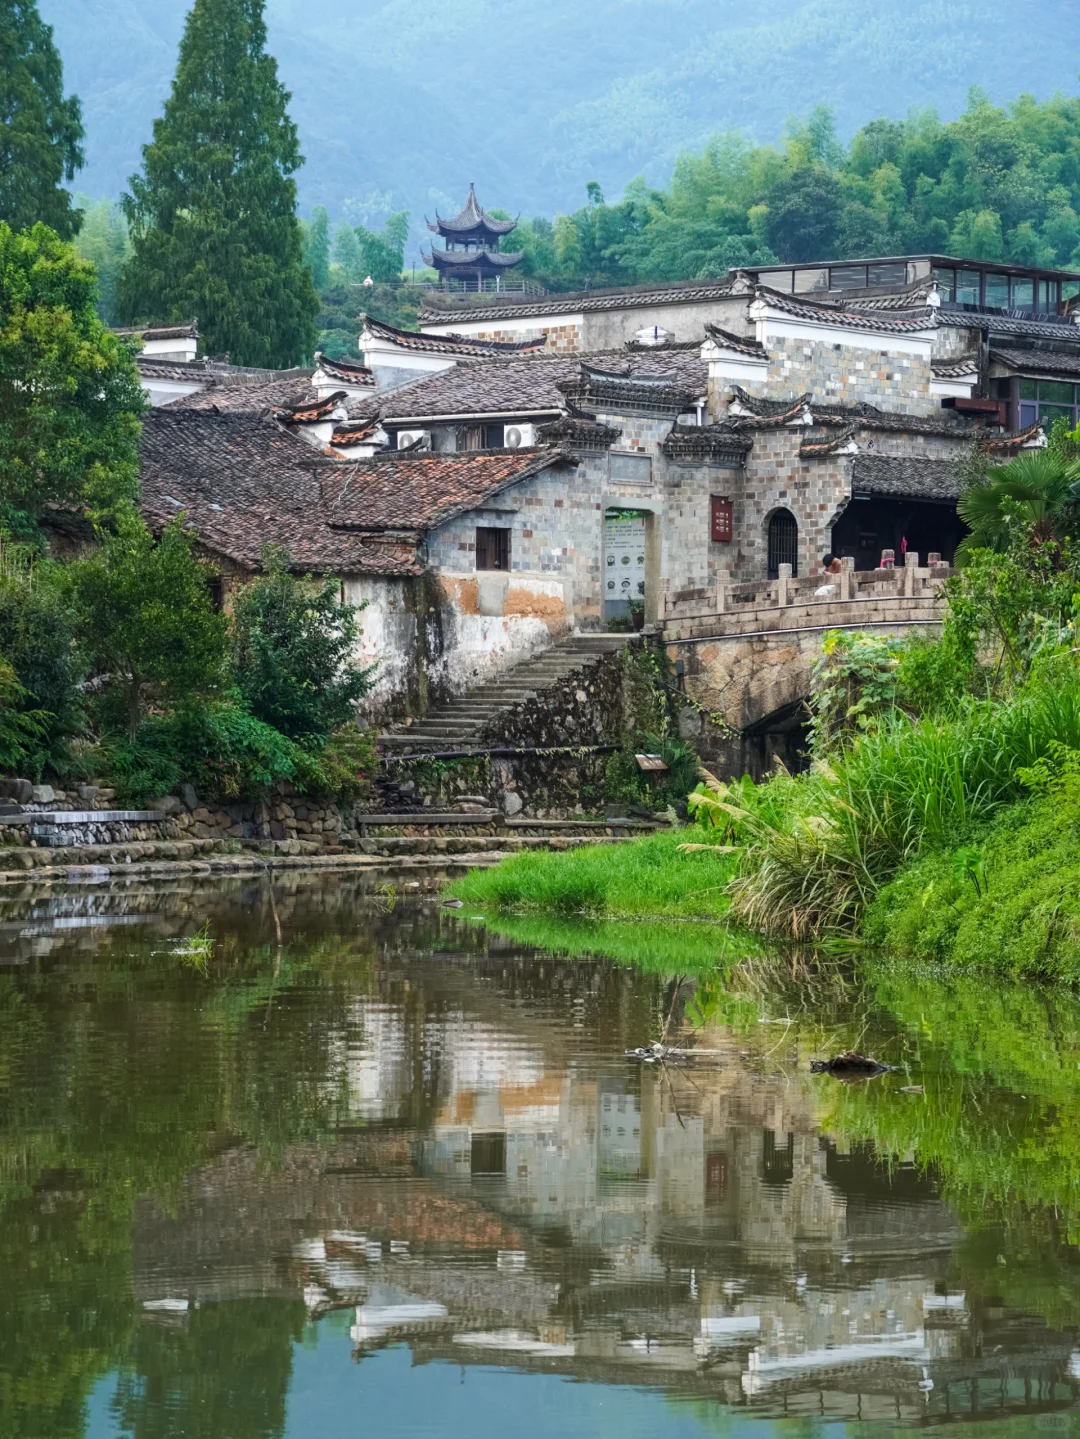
460,722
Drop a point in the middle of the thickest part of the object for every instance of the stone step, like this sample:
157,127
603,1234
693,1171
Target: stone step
391,846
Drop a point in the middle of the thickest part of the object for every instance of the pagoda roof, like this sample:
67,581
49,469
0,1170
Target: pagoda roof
472,261
471,219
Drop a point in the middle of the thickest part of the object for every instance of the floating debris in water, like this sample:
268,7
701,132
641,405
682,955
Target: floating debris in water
850,1066
912,1089
661,1053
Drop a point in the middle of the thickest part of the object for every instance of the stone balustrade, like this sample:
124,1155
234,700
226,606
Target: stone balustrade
876,596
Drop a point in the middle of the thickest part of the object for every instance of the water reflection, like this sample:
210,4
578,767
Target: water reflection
395,1133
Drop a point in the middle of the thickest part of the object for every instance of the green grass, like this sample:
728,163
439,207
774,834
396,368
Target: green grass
645,878
845,831
1008,903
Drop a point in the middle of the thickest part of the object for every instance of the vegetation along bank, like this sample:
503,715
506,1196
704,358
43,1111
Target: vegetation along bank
939,815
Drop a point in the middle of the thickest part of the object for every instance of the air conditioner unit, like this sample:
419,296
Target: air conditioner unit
519,437
414,440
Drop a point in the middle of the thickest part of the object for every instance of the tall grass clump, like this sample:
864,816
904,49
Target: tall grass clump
811,866
647,877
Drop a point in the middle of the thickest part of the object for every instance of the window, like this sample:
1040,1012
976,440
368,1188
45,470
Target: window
494,437
811,280
1048,296
967,287
879,274
847,277
777,1161
1023,293
216,585
492,548
997,292
488,1154
716,1178
783,543
945,279
470,437
1047,401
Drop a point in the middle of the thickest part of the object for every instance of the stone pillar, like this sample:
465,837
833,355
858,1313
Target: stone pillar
847,577
782,585
911,564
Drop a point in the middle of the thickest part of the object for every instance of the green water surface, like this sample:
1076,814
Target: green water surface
368,1167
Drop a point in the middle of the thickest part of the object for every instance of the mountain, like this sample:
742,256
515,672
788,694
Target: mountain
400,105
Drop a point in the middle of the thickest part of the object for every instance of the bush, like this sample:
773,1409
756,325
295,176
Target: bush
624,781
149,623
842,832
37,637
293,643
21,729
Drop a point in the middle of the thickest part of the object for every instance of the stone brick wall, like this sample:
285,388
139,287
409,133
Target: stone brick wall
841,374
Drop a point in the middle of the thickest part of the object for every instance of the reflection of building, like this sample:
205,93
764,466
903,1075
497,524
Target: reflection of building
558,1206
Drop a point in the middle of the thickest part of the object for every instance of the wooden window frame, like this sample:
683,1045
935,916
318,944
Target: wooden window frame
493,548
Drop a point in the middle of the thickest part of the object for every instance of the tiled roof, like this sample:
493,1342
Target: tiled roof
718,443
1013,439
191,372
472,259
818,449
1038,362
580,301
847,317
907,476
961,369
529,385
578,432
666,392
222,397
869,417
766,408
450,344
741,343
1042,328
472,217
349,372
641,347
353,432
242,484
419,491
188,331
310,412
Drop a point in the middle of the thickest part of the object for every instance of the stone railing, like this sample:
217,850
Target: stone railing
734,597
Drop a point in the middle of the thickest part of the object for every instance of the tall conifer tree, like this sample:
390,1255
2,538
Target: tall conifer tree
40,130
213,215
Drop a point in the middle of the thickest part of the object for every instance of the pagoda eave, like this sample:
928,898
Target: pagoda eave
475,262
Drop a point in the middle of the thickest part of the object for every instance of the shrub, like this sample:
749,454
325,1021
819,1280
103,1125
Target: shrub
37,636
293,640
623,780
844,831
21,729
149,623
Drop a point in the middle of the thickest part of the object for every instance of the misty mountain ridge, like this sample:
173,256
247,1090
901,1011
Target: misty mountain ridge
399,106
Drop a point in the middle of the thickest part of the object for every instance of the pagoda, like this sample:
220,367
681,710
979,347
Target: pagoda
472,251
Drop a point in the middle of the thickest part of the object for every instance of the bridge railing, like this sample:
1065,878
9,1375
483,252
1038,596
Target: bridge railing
742,605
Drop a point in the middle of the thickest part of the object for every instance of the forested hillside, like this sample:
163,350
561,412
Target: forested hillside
400,105
994,184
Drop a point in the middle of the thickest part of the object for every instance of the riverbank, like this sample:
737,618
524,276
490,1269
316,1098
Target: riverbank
649,878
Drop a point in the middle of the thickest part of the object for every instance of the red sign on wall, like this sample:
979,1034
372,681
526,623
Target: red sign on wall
721,520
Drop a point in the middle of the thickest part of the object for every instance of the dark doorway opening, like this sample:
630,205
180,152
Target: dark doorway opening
783,543
873,523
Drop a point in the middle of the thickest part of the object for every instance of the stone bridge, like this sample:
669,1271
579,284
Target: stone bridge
745,653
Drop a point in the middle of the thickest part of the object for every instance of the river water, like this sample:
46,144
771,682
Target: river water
361,1165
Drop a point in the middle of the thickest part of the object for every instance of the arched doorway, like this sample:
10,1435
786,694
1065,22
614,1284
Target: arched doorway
783,543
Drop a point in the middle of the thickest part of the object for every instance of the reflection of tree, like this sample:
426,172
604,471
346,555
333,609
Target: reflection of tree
223,1375
120,1073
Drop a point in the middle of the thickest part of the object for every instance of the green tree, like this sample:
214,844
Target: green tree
37,637
104,241
317,247
293,643
40,129
148,622
347,254
803,214
213,215
1033,490
382,252
70,397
